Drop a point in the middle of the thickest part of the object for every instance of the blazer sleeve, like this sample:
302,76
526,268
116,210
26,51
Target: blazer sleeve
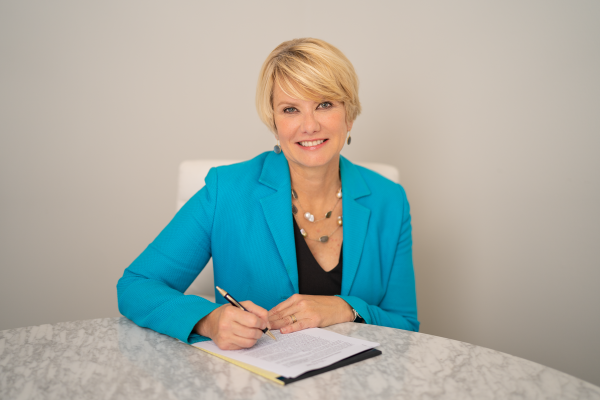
150,293
398,308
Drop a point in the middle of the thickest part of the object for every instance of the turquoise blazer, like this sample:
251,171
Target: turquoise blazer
242,218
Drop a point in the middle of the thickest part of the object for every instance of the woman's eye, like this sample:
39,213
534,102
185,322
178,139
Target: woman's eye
325,104
289,109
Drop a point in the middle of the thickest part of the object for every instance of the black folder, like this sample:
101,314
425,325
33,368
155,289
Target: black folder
342,363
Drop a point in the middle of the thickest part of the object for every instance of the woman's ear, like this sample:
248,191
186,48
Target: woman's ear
349,125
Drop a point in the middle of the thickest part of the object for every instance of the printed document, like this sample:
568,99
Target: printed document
294,353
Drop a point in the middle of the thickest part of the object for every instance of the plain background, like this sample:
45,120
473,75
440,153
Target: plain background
491,111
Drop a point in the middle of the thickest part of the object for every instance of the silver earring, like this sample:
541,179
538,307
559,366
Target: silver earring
349,140
277,148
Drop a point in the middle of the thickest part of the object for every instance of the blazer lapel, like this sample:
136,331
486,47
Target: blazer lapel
277,208
356,220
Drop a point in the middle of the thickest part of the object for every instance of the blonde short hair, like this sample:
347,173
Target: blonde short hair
307,69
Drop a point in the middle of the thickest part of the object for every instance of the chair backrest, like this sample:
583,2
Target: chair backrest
191,179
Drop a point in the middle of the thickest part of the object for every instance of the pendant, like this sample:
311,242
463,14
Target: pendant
309,216
323,239
294,210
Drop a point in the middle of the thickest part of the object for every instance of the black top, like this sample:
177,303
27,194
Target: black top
312,279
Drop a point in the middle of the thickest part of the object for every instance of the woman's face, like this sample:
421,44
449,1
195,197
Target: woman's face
311,133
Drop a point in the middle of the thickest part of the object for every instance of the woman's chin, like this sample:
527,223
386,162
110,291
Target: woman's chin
314,160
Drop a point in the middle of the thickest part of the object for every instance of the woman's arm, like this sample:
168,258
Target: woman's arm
398,308
150,293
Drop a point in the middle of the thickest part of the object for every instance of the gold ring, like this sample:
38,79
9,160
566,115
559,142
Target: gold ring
294,320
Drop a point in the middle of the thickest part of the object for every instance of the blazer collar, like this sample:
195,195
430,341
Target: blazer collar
277,210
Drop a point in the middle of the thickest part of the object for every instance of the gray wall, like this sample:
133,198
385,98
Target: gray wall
491,112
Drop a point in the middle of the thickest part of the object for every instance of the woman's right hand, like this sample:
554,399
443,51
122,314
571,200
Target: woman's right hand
232,328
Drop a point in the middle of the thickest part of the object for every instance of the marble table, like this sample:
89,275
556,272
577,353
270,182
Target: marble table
113,358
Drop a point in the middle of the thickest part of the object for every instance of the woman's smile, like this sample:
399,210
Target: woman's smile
312,144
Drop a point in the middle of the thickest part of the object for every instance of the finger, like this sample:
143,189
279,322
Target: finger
231,343
285,312
258,311
246,332
244,318
225,345
298,326
281,315
280,323
276,311
233,336
287,319
243,342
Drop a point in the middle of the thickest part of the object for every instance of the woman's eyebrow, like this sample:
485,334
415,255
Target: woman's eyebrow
286,103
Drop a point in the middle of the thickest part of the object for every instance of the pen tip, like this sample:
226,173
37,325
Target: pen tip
223,293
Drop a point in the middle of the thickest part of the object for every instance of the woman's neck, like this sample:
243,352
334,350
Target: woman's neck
316,184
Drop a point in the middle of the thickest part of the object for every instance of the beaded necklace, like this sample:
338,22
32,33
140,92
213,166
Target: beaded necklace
311,218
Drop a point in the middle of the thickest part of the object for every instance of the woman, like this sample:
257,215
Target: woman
343,253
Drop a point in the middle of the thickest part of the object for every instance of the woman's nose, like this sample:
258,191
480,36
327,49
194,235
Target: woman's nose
310,124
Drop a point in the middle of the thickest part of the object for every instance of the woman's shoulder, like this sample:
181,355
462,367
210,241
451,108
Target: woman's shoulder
240,180
248,170
385,199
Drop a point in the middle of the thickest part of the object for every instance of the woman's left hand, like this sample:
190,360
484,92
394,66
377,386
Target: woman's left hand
310,312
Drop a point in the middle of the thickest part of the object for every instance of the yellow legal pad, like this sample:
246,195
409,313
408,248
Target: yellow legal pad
258,371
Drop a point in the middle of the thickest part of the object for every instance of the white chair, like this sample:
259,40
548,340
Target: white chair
191,179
